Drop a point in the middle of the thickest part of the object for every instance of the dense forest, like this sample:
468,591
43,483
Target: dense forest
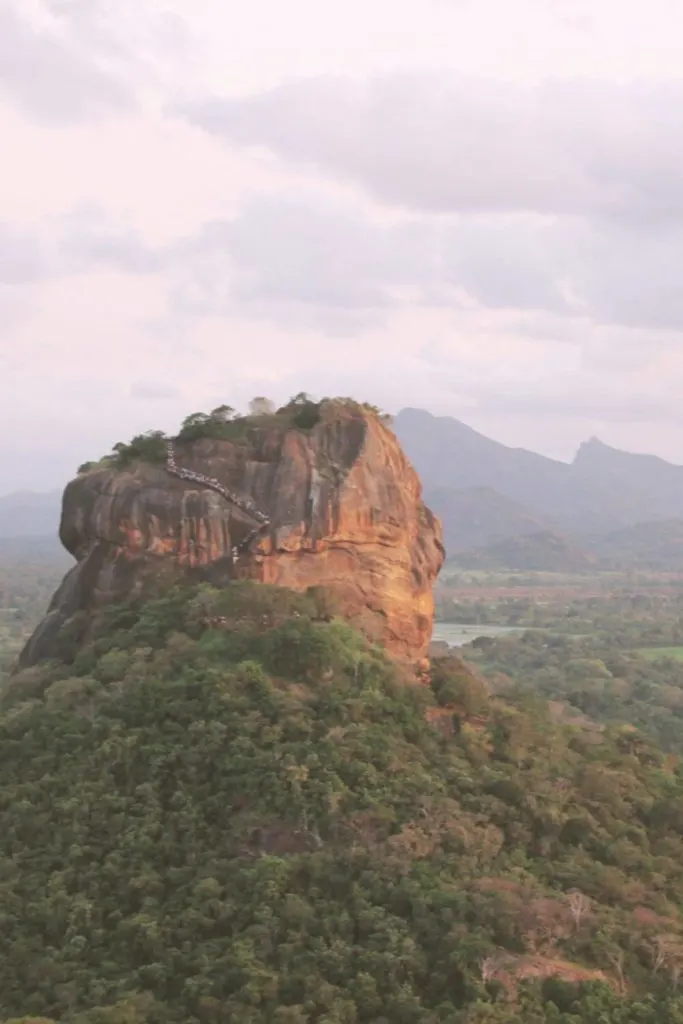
227,806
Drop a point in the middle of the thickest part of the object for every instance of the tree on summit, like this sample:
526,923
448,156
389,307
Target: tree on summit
300,398
195,419
222,413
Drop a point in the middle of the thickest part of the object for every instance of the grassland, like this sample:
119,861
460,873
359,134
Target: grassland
660,653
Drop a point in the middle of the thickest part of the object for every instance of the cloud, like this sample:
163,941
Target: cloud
50,78
76,61
15,306
304,260
439,142
318,260
565,197
153,391
503,252
613,273
88,239
22,257
80,242
582,398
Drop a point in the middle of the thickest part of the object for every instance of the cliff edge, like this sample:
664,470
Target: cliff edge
334,505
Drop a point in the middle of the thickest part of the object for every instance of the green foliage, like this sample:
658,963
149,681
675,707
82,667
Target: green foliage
595,675
30,572
374,410
224,423
303,411
221,424
611,654
454,684
231,808
148,447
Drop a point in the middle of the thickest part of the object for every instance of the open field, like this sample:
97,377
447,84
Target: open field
550,588
659,653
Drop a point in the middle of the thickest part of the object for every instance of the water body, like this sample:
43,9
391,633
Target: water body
457,634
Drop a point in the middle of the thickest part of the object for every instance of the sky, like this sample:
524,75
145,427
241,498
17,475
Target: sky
469,206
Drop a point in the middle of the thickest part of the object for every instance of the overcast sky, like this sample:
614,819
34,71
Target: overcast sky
473,206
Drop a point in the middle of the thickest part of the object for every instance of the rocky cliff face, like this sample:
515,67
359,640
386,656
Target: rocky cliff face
344,509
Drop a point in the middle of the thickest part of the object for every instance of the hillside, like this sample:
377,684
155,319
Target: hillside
478,516
535,552
35,550
450,456
657,546
229,808
601,491
653,546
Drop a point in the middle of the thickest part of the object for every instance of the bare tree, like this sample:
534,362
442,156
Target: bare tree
667,952
616,958
490,966
579,905
659,953
260,406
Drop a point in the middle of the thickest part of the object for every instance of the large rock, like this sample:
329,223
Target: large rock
345,513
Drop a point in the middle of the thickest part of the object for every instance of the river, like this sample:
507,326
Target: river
456,634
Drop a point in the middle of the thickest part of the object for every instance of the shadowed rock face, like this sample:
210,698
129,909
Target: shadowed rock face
345,513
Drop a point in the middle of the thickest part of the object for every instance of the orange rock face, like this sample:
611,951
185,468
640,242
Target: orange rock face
345,513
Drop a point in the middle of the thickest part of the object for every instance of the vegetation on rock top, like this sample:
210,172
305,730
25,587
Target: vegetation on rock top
222,424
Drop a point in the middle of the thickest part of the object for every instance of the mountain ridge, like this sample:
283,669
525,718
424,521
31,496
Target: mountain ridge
602,490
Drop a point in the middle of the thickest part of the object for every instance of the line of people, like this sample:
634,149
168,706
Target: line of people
245,504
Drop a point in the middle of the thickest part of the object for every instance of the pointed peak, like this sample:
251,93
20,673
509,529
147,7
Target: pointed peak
591,448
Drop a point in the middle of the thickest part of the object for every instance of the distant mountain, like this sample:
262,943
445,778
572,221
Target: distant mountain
602,490
622,487
536,552
449,455
478,516
657,546
35,550
30,514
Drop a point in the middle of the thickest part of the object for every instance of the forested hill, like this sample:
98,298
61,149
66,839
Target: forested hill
227,806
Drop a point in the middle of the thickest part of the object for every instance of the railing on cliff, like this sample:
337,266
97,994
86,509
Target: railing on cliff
243,503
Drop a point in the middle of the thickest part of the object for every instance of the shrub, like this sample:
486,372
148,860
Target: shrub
453,683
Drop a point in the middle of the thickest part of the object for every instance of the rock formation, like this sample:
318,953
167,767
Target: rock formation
335,506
